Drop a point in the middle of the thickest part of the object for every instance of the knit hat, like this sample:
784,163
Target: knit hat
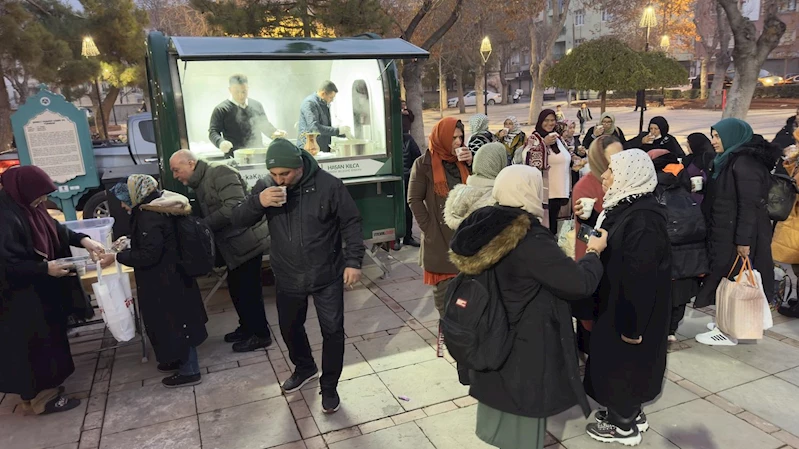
489,160
283,154
120,190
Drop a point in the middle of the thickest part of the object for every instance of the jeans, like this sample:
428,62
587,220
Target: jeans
191,365
292,309
244,284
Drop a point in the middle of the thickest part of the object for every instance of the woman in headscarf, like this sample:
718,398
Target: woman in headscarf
628,342
590,187
784,137
511,136
443,166
38,293
540,377
170,301
698,162
687,233
480,135
657,137
476,192
785,245
606,126
735,210
567,129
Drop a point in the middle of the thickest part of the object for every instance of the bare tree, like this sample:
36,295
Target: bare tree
715,36
176,18
543,35
750,52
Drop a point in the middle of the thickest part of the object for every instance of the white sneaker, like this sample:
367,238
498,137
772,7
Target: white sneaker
672,338
716,338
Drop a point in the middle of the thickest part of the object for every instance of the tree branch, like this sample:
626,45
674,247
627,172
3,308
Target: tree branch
427,5
435,37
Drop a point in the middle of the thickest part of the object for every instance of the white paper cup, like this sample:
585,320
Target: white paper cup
697,183
461,153
588,207
285,194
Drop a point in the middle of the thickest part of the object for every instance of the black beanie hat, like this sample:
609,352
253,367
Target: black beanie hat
283,154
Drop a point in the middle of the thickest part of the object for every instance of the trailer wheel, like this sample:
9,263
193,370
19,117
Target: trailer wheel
97,206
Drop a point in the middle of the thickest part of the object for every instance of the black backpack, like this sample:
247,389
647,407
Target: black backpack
781,196
196,248
686,224
475,323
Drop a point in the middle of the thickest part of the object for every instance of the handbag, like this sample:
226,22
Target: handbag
740,303
115,299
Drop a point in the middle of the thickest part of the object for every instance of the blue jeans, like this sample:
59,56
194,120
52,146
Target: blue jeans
191,365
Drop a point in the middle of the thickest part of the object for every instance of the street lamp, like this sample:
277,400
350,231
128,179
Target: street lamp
665,43
648,21
89,50
485,52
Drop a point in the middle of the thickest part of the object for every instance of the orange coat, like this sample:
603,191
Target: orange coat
785,244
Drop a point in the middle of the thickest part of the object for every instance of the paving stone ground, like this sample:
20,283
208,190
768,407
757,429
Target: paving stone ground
742,397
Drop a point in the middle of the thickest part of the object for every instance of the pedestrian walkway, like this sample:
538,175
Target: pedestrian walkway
396,393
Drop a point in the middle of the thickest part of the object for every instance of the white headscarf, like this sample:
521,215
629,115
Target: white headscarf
633,176
520,186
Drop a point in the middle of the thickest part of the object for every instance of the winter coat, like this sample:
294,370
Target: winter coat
583,117
589,136
170,301
635,301
785,245
467,198
34,307
784,137
515,145
428,209
219,189
587,187
315,117
735,214
689,259
306,252
692,170
665,142
540,378
410,152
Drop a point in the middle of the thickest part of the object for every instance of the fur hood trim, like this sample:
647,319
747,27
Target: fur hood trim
169,203
763,151
463,200
499,247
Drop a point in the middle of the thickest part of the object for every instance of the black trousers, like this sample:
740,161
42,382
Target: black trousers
408,213
292,308
623,418
244,285
554,210
677,314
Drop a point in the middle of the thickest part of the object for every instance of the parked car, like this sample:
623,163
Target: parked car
549,93
793,78
766,79
695,81
470,99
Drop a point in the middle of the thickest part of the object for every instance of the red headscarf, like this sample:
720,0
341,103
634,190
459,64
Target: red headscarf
440,151
24,185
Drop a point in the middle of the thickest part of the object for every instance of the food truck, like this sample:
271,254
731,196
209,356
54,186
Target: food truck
189,77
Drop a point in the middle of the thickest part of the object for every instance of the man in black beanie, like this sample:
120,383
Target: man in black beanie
310,212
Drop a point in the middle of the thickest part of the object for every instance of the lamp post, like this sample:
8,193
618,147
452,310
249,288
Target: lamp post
665,43
89,50
485,52
648,21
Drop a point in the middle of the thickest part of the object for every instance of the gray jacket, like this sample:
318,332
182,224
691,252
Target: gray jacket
219,189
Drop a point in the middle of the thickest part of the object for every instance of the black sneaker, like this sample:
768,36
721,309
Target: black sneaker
178,380
411,242
167,368
60,404
252,343
298,380
640,421
236,336
330,401
609,433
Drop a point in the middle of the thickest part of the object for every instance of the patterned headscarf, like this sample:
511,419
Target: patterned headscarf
120,190
139,187
514,131
633,177
478,124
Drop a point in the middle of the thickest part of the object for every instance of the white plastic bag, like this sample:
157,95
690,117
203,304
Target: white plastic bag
768,320
115,299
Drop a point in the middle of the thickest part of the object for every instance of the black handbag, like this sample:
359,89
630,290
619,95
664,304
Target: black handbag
781,196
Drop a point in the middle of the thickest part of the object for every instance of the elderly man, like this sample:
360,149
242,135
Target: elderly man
219,189
310,211
315,117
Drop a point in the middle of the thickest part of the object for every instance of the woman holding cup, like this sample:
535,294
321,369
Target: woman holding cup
605,127
657,137
511,136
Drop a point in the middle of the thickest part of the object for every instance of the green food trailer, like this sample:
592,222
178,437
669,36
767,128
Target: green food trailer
188,78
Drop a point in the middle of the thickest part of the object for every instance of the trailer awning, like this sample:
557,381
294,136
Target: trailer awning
239,48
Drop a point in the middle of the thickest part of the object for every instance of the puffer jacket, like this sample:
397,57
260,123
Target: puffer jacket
306,252
219,189
467,198
785,245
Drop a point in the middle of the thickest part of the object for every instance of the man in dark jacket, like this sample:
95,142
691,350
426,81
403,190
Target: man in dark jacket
410,152
584,115
219,189
239,121
407,118
309,211
315,117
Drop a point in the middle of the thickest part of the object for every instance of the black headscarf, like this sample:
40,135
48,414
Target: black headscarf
540,130
702,152
662,124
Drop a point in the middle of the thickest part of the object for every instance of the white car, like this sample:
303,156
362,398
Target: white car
470,99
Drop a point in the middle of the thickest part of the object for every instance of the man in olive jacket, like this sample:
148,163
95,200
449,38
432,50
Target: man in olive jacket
219,189
310,211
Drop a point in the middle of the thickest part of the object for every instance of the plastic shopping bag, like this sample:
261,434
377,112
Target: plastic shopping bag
768,320
566,237
114,297
739,304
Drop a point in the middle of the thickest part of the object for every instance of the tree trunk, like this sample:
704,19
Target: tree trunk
459,84
109,101
412,74
536,100
743,88
6,133
703,78
538,66
723,59
442,88
603,97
